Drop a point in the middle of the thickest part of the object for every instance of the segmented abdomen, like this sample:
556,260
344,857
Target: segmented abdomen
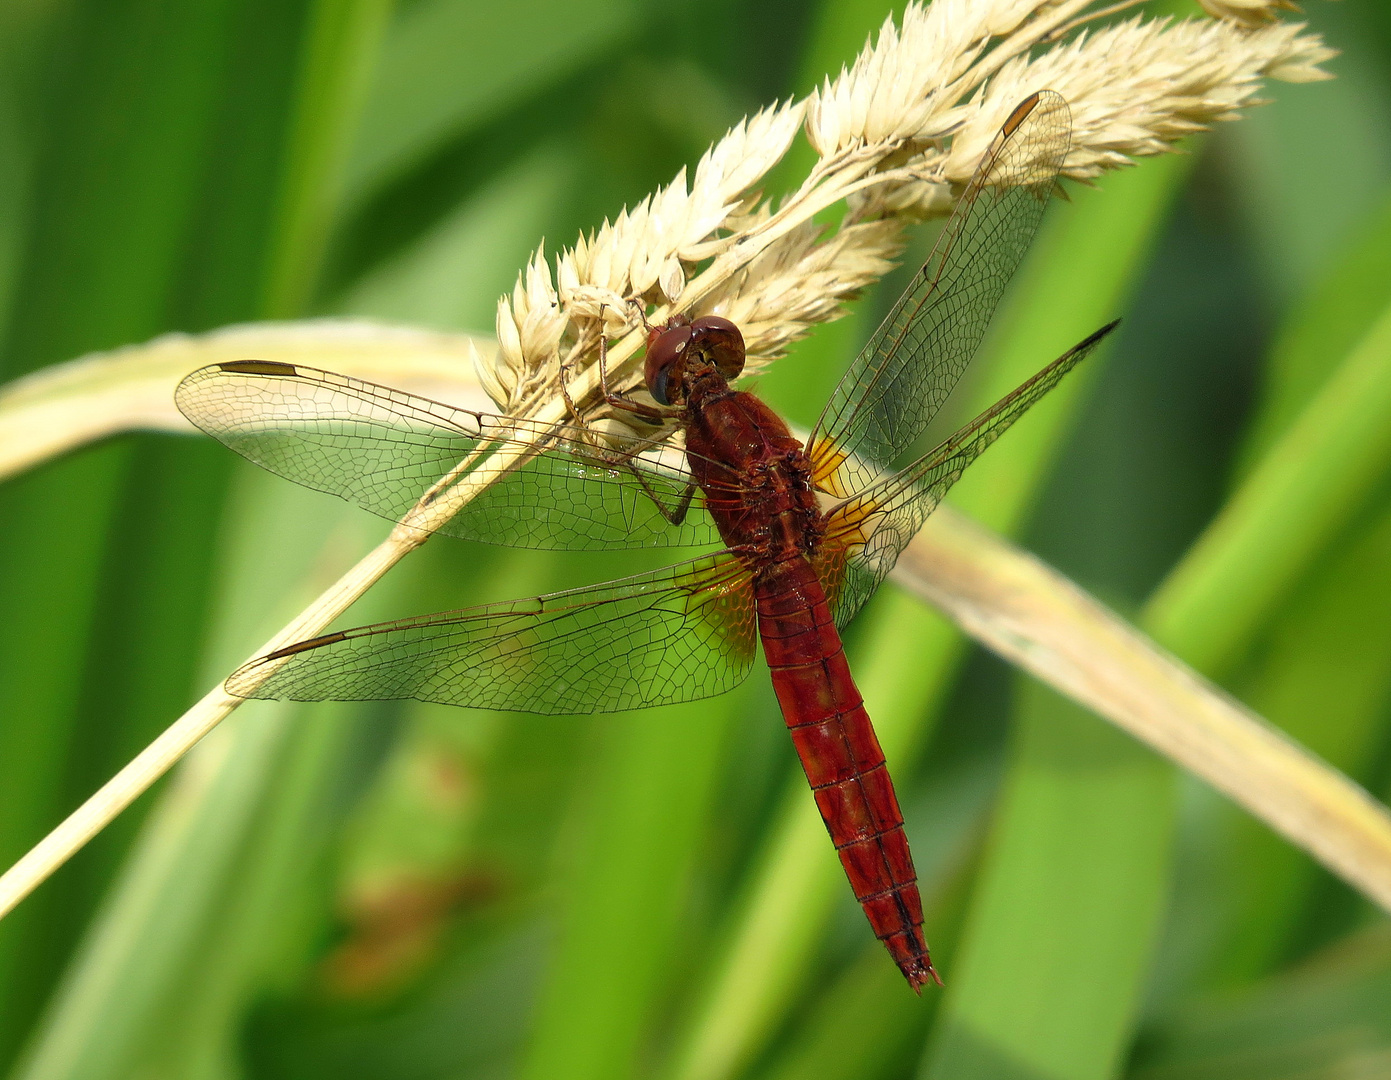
841,757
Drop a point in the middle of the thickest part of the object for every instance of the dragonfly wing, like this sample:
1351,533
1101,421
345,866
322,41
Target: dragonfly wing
866,533
678,634
916,357
382,449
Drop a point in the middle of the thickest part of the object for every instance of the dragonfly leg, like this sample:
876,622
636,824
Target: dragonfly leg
623,459
565,393
617,401
675,515
638,306
679,515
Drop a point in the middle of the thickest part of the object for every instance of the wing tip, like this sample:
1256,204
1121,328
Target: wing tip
269,368
1020,114
1096,335
918,970
247,680
257,367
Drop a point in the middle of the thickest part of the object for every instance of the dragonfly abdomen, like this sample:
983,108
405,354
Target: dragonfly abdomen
841,757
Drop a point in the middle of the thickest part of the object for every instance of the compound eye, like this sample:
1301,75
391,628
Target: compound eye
658,386
722,342
661,369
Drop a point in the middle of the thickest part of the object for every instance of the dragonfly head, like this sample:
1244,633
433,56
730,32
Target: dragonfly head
684,350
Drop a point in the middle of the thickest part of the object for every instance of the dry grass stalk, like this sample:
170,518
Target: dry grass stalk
897,134
1035,618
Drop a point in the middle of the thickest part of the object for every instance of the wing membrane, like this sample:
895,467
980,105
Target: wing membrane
678,634
866,534
916,357
382,449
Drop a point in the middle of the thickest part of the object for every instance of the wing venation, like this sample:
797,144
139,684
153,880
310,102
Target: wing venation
382,449
915,358
866,533
677,634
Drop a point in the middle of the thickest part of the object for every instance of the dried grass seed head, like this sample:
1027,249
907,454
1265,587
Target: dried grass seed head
1138,86
898,133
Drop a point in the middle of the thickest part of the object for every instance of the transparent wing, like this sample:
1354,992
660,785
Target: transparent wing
678,634
916,357
865,534
382,449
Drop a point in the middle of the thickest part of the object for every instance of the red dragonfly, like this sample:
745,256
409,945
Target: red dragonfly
808,532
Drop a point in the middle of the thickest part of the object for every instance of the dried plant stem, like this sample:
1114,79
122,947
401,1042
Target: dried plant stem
176,740
1034,617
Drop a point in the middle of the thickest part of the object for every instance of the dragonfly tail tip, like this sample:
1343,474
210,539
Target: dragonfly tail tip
920,973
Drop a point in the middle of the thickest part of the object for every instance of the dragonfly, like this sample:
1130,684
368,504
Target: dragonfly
808,529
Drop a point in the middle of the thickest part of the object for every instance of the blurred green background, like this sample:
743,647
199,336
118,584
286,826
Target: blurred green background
364,892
